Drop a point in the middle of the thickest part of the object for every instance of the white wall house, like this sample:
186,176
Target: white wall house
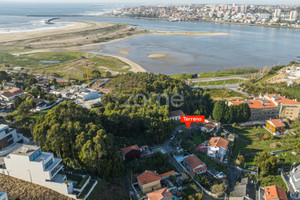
88,94
10,140
175,115
3,196
295,180
217,148
31,164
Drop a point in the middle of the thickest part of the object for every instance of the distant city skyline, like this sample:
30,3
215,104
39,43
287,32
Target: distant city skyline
257,2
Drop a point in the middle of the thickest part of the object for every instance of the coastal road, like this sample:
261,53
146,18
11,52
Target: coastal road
220,78
233,87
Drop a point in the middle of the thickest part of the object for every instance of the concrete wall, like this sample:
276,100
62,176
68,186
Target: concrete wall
150,186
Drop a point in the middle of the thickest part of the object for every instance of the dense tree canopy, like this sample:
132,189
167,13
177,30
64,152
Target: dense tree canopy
267,163
75,134
231,114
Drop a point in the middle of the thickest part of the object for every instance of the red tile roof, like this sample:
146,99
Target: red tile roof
7,94
276,122
218,142
148,177
280,99
160,194
274,192
167,174
14,89
176,113
128,149
255,103
194,162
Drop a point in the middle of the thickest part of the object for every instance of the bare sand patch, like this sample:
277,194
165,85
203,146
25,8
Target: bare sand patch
124,51
157,55
163,57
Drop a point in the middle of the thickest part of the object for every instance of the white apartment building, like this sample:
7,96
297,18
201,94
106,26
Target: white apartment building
293,15
88,94
10,140
31,164
3,196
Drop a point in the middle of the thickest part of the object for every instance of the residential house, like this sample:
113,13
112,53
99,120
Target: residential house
288,108
295,179
245,190
220,176
131,153
261,109
10,140
11,94
194,165
3,196
275,126
149,181
31,164
208,127
162,194
217,148
13,84
175,115
274,193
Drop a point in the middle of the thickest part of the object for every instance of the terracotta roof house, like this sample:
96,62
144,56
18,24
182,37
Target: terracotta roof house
162,194
167,174
275,193
217,148
275,126
175,115
149,181
131,153
194,165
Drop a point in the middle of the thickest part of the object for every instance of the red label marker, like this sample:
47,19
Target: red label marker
188,119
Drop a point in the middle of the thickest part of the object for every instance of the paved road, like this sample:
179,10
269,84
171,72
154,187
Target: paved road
166,146
220,78
228,86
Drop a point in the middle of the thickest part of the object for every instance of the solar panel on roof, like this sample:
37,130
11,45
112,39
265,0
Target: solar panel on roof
263,101
247,102
215,141
276,97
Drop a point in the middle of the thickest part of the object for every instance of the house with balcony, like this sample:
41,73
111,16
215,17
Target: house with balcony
10,140
217,148
31,164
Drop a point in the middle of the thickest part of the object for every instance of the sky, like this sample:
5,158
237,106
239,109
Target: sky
260,2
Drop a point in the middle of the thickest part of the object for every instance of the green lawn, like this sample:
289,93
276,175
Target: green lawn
224,93
221,82
232,72
66,64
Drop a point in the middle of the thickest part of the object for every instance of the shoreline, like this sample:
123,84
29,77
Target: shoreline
205,21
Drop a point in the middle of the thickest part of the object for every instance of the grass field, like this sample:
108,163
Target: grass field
224,94
232,72
65,64
251,143
221,82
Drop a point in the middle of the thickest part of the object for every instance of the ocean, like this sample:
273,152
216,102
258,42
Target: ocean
244,46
